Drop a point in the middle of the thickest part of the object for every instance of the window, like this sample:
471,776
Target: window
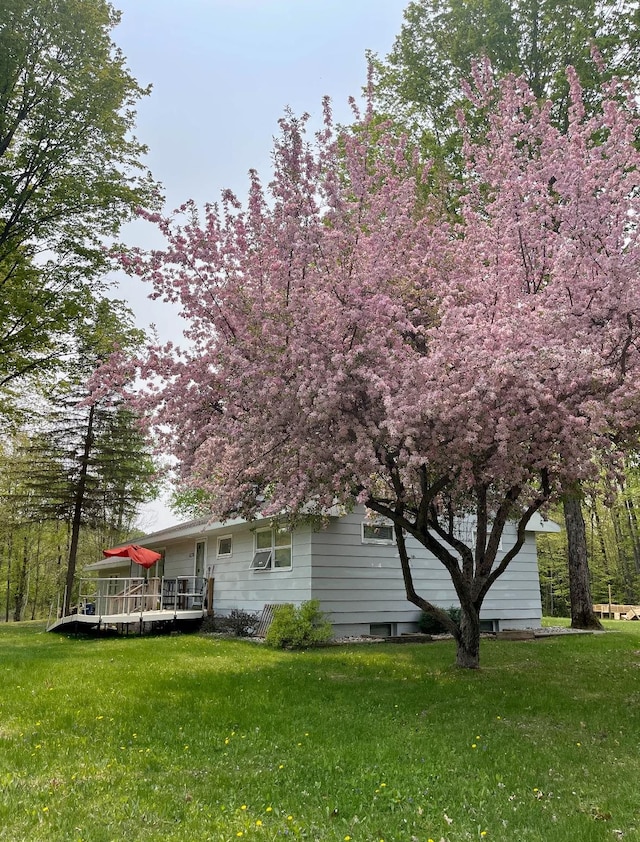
156,571
382,629
377,532
225,546
272,550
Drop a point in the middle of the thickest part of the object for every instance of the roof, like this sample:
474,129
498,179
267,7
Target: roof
540,524
115,563
202,527
190,529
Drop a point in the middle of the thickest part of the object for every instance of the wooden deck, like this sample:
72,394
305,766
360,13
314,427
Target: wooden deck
142,619
126,603
616,611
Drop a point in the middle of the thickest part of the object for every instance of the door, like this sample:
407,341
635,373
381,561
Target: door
198,585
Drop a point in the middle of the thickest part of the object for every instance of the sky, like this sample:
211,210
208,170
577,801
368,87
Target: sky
222,73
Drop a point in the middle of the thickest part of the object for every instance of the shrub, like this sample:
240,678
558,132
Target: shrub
298,628
429,624
237,622
242,623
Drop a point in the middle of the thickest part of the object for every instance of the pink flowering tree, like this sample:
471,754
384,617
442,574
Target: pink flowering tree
349,344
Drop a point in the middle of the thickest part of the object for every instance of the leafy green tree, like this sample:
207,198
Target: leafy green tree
31,549
420,82
71,170
421,85
89,461
613,547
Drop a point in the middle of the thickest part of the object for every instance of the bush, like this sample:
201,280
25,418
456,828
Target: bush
237,622
298,628
429,624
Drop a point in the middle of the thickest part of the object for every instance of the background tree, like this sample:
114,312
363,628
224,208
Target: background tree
420,81
88,465
351,344
32,550
71,170
610,513
421,84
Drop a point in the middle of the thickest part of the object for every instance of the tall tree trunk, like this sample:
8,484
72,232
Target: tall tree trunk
623,559
36,590
9,555
22,586
582,613
633,529
77,511
599,528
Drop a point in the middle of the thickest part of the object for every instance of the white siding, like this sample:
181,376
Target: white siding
236,585
361,583
180,558
357,583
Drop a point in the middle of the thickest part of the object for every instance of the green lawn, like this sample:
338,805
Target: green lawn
194,738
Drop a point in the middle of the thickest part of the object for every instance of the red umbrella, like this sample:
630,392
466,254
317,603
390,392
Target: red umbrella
141,555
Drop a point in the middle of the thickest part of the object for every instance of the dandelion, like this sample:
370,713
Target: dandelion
45,809
269,809
483,833
239,833
289,818
473,745
244,807
347,839
258,822
281,766
99,717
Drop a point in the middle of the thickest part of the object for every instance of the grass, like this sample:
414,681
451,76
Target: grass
187,737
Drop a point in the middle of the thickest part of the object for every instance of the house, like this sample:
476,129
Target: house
350,565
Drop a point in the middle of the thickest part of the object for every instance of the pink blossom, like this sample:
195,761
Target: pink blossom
349,343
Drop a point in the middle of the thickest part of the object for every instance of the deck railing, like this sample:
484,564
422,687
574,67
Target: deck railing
136,595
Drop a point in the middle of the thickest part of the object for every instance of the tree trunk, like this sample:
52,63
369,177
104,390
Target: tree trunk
582,613
9,554
22,587
77,512
36,590
468,640
633,529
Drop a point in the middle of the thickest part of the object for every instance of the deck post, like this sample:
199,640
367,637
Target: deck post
209,597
